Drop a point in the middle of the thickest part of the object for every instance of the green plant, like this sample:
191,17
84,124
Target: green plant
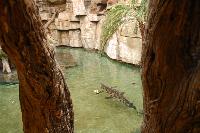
2,54
120,13
140,10
114,19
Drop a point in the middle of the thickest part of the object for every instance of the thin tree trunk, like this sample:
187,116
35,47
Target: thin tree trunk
44,97
171,67
50,21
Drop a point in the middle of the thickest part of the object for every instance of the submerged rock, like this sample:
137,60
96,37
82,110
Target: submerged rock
68,60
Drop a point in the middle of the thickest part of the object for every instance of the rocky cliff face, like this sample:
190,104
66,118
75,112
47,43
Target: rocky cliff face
78,24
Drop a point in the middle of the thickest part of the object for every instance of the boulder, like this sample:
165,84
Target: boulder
126,49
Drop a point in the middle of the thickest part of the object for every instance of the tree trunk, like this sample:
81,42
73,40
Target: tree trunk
45,99
171,67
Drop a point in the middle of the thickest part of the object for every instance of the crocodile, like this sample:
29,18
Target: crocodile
114,93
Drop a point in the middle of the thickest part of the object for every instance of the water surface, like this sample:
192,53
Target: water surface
84,72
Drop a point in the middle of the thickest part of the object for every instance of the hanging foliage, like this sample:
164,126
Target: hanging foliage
120,13
114,19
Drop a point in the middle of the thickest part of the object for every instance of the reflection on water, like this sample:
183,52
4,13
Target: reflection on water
93,112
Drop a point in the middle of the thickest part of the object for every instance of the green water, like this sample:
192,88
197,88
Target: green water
93,112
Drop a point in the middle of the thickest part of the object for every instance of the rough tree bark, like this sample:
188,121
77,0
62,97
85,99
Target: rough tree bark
45,99
171,67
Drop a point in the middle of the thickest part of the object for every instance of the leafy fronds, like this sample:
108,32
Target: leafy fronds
141,12
118,14
114,19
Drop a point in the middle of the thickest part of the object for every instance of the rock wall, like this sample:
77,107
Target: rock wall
126,44
78,24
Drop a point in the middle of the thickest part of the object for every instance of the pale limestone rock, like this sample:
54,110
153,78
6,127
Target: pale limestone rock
78,7
63,15
75,38
87,4
93,17
88,33
98,32
130,29
44,16
70,38
6,66
66,25
74,18
125,45
98,6
46,7
69,7
111,48
76,27
64,35
130,54
125,48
